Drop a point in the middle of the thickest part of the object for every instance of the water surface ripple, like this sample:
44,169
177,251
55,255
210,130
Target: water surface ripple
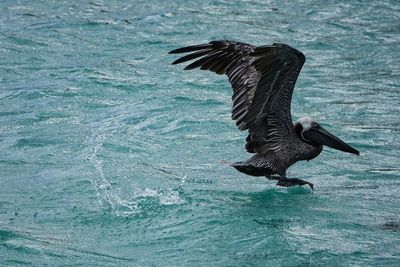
111,156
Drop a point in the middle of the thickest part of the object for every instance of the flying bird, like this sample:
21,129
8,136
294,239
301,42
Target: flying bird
263,79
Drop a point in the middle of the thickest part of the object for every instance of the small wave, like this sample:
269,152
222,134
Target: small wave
34,246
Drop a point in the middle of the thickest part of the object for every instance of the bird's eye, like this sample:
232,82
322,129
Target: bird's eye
314,124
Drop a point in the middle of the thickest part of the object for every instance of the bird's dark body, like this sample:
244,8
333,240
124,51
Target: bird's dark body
273,163
263,79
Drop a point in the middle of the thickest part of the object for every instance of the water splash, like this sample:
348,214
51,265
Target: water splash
110,195
105,192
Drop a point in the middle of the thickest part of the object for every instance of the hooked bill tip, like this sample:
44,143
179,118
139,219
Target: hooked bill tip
353,151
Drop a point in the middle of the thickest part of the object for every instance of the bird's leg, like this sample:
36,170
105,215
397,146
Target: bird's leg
283,181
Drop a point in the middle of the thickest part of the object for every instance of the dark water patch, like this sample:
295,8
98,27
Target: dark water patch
35,142
98,4
12,113
393,226
30,14
7,235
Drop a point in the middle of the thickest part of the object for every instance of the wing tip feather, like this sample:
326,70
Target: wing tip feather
187,49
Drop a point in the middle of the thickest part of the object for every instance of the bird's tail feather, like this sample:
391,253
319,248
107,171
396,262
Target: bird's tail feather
250,168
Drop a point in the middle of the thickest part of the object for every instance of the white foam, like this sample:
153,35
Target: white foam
170,197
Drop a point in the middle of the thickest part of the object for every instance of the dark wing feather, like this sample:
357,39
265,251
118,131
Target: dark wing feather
262,79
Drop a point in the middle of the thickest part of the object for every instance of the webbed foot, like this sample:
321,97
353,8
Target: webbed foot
283,181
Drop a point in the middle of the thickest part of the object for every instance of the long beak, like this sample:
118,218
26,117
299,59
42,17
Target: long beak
323,137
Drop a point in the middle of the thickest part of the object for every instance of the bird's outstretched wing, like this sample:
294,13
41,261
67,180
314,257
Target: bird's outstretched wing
262,79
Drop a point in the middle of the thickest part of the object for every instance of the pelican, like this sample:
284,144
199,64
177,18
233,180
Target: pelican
263,79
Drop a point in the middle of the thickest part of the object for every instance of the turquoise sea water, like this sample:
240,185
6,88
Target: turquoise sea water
111,156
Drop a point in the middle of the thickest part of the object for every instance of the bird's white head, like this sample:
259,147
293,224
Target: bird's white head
303,125
306,123
314,134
